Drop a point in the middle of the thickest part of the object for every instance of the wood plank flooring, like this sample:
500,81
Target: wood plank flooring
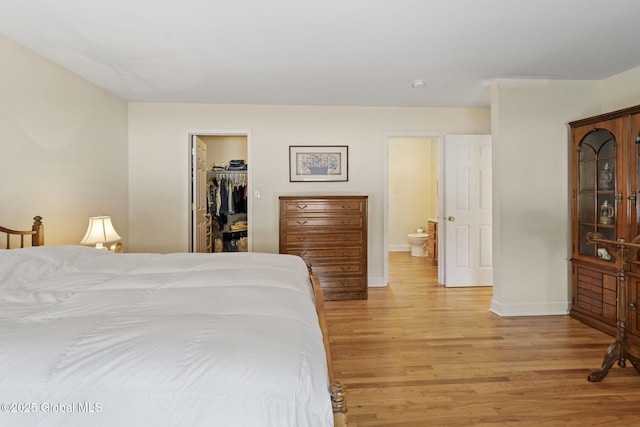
418,354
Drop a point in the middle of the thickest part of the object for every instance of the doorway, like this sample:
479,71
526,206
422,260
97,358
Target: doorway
411,196
220,206
464,238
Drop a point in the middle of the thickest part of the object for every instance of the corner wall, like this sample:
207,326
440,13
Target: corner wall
64,148
531,198
531,189
621,91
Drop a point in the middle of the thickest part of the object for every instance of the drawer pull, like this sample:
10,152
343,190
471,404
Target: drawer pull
345,253
345,222
344,284
304,253
345,237
301,222
301,207
345,268
301,238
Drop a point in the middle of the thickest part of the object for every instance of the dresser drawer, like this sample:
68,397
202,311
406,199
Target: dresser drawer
352,206
344,283
337,268
339,239
306,221
318,253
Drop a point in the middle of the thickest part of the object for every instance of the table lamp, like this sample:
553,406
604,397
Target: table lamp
100,231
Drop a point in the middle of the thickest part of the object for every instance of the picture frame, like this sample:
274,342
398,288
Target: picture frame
318,163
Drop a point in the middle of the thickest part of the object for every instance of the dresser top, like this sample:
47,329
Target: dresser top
315,196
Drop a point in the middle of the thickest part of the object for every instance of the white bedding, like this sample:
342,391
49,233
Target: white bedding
92,338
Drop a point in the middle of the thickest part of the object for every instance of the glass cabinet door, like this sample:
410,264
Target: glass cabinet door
635,172
597,196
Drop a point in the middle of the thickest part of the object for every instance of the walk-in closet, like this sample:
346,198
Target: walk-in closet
221,224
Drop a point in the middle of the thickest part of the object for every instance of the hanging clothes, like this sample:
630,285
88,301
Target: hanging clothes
227,194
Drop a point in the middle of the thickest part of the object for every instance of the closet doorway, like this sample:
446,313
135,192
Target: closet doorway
220,206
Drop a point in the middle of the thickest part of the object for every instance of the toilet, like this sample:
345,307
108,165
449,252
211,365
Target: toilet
418,242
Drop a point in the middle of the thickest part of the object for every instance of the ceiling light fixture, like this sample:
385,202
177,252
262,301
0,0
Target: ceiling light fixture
418,84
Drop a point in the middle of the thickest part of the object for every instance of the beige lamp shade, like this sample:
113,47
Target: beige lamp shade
100,231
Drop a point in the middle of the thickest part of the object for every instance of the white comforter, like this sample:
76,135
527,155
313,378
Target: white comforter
92,338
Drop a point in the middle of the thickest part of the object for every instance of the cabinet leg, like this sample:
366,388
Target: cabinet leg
612,355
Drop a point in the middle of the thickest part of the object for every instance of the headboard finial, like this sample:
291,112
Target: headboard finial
37,239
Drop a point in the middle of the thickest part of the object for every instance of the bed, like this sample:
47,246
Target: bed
90,337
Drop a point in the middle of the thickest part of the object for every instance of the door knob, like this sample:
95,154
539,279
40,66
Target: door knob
451,218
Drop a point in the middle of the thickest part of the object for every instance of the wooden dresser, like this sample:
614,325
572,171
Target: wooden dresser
330,233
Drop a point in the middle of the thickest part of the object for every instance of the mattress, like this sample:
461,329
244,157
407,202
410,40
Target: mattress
88,337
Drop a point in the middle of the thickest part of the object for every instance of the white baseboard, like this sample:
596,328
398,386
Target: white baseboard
399,248
530,309
467,286
376,282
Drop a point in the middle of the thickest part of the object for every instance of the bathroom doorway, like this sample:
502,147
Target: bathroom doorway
477,253
412,189
220,208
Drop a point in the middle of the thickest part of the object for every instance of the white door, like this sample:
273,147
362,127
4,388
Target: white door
467,223
201,232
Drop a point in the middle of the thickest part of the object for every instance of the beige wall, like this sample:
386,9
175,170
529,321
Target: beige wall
621,91
158,195
531,191
413,178
222,148
63,148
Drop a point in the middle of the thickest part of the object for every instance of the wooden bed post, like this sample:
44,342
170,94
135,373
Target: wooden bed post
38,237
336,389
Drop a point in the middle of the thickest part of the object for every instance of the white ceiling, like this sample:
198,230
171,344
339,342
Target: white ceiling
325,52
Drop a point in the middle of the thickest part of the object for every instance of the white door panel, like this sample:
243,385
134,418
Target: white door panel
462,239
467,210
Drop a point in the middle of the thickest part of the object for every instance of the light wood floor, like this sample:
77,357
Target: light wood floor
418,354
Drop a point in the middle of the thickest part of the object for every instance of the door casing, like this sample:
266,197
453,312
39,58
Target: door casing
193,175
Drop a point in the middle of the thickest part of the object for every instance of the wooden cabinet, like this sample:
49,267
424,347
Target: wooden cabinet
432,246
330,233
604,181
594,296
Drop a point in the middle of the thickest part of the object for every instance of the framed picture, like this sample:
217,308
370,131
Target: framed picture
318,163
